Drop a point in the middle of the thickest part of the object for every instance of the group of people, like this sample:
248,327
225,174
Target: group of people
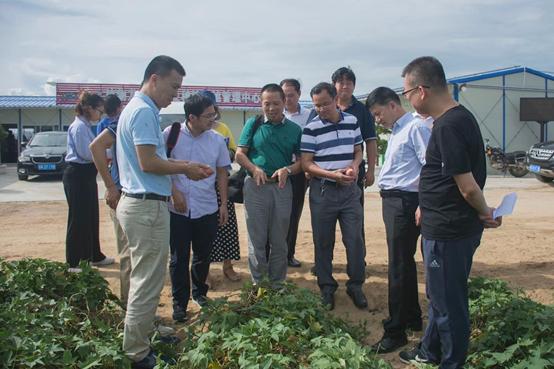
168,192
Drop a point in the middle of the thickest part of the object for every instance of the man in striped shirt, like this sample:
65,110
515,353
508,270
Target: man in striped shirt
331,153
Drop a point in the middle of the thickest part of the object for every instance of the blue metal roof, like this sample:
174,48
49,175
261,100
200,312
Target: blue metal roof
37,102
499,73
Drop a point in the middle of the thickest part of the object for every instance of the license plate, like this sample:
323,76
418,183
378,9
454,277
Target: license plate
46,166
534,168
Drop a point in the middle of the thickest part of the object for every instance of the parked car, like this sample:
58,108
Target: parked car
540,161
44,155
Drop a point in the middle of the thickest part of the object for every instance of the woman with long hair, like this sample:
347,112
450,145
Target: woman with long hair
79,182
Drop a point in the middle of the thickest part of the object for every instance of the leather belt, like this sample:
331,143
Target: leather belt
326,182
147,196
397,193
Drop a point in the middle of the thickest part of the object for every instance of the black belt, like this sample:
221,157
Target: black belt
397,193
326,182
147,196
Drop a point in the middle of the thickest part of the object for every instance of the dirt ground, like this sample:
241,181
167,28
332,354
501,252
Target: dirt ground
520,252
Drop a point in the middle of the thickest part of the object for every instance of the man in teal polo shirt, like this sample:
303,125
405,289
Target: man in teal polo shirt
266,151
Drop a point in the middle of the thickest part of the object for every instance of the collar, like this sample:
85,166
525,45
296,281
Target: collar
341,118
148,100
282,121
403,120
299,110
84,120
353,101
186,130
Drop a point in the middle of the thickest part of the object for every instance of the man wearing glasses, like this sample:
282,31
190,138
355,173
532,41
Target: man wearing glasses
193,209
453,212
398,183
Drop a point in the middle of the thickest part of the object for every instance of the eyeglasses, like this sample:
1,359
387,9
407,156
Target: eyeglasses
404,93
210,116
101,111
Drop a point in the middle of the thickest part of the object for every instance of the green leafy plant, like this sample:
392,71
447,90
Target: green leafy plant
508,329
267,328
50,318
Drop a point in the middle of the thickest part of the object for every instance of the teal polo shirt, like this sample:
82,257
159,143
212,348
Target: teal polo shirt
273,144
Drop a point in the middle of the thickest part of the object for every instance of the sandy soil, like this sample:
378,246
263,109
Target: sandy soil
521,252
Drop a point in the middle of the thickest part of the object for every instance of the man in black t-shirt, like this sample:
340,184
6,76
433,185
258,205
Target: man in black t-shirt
453,212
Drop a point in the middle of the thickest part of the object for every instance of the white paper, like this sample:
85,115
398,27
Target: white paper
507,205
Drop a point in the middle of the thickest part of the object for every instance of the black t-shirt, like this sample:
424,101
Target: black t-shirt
455,147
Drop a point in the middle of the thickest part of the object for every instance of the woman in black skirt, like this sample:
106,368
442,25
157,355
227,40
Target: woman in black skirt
79,182
226,245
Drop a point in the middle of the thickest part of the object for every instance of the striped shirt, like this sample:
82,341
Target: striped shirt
332,143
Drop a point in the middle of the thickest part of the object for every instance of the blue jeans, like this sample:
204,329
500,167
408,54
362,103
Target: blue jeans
447,268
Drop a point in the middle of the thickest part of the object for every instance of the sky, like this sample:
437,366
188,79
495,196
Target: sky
251,43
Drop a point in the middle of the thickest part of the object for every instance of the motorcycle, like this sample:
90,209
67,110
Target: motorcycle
513,162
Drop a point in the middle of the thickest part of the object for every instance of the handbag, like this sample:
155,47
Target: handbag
236,180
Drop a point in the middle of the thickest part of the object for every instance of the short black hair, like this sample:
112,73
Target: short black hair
342,73
291,81
112,102
273,87
196,104
162,65
324,86
426,71
381,96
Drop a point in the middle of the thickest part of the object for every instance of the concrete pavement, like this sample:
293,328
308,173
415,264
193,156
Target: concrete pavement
51,188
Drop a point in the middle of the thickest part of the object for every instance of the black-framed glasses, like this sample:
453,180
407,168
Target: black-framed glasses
210,116
404,93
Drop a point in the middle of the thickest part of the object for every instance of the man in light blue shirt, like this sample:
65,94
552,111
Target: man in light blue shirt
398,181
142,210
194,213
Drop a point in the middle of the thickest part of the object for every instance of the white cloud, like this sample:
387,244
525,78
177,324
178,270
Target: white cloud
249,43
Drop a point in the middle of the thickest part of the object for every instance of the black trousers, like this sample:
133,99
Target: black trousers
402,233
82,241
201,234
299,186
360,182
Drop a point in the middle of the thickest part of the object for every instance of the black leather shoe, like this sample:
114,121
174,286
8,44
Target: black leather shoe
328,299
358,298
149,362
388,344
179,313
415,326
293,263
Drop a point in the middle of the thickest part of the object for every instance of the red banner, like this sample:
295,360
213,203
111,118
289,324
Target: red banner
247,97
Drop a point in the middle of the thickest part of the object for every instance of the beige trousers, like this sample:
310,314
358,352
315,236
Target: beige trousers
146,225
124,258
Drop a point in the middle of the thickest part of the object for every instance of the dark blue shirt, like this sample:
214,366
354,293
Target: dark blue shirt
104,123
112,128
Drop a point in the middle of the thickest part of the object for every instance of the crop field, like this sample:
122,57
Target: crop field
50,319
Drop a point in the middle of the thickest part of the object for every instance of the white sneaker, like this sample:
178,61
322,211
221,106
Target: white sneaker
106,261
74,270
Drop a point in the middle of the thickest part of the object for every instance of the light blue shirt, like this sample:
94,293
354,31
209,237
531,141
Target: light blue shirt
79,137
208,148
405,155
139,124
300,117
